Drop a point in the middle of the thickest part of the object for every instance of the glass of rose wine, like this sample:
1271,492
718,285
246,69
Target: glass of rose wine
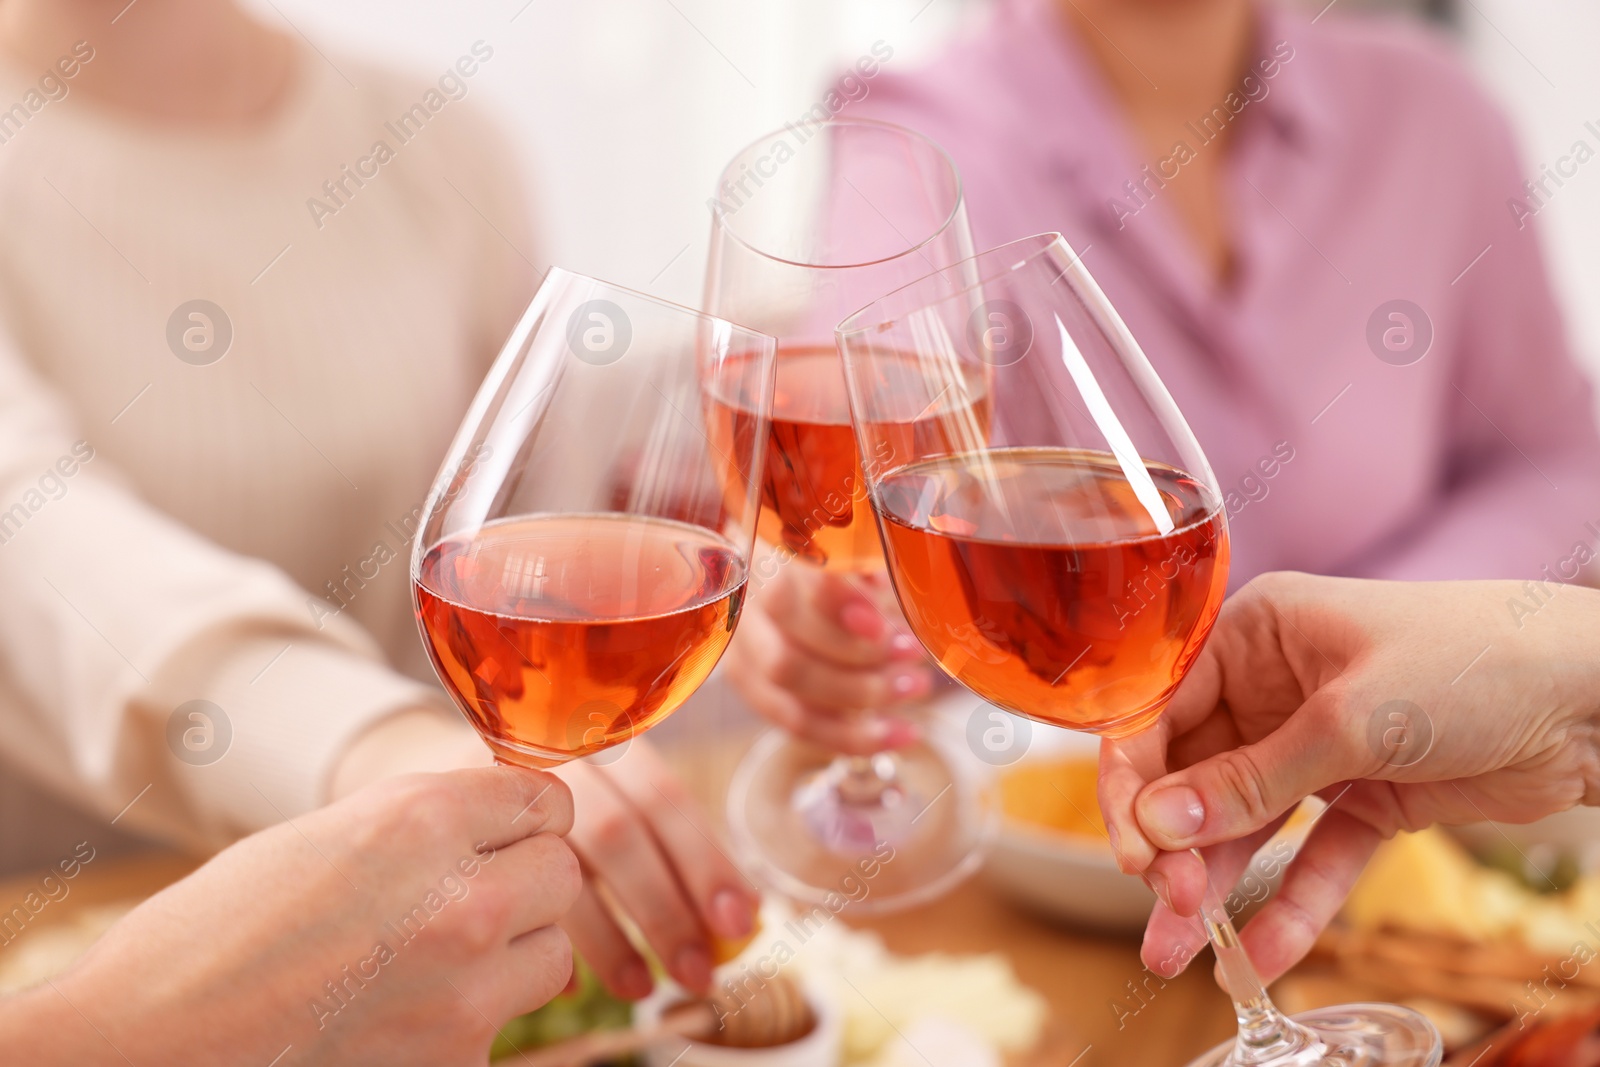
1065,556
584,550
809,223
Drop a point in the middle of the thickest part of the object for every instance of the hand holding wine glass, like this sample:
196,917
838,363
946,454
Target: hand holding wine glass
826,659
1318,686
401,925
811,222
1065,557
581,566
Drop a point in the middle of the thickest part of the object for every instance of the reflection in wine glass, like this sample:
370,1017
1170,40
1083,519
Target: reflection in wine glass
811,223
1066,556
584,551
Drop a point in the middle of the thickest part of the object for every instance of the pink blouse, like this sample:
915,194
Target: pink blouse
1384,387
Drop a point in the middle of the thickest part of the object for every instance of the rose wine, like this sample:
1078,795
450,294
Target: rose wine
813,493
1040,579
561,635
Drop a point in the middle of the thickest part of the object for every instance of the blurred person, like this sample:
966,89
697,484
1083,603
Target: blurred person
403,925
1293,697
1255,190
254,286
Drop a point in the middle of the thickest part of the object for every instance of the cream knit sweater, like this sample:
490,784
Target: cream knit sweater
188,515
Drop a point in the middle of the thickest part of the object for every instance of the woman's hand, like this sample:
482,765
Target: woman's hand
823,659
637,832
1401,705
401,926
642,837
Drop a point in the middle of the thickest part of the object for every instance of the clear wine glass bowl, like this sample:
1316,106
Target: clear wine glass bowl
809,223
584,551
1057,540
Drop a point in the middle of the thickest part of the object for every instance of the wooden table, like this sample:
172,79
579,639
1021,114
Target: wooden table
1081,975
1084,976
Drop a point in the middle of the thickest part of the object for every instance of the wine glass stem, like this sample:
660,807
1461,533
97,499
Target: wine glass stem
866,778
1266,1035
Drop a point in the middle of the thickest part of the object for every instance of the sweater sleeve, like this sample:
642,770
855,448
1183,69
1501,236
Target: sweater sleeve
118,618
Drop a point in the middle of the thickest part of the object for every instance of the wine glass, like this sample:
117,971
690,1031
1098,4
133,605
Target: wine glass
1066,557
584,550
809,223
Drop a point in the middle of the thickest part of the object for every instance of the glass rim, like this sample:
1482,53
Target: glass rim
721,218
861,320
563,274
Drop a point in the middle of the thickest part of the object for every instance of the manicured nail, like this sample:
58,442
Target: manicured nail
634,981
899,733
892,733
731,914
1116,841
861,619
1174,813
903,645
692,967
907,684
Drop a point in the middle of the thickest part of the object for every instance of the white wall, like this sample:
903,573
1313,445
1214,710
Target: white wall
1539,58
625,110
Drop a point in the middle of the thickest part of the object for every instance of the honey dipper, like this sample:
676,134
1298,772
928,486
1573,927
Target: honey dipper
776,1015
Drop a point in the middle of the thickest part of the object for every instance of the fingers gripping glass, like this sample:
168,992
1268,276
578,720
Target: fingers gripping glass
585,547
811,222
1057,541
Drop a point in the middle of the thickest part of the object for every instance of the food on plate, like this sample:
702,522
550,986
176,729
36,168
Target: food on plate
1562,1041
882,995
589,1008
1468,944
1428,883
1058,794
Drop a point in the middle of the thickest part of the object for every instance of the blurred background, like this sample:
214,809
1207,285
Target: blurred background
622,112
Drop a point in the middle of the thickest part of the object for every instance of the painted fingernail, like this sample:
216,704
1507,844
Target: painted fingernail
692,967
1174,813
907,684
861,620
900,733
883,732
634,981
731,914
904,645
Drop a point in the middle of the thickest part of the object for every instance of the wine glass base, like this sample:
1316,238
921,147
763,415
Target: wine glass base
869,836
1350,1035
